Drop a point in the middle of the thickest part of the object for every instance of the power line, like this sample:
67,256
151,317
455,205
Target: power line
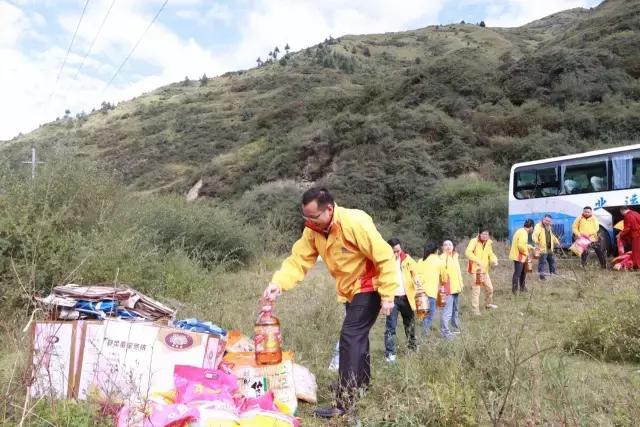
136,45
75,33
95,38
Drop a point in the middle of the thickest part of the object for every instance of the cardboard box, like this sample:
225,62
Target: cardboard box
125,361
53,355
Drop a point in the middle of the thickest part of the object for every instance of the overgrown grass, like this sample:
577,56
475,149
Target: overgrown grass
508,367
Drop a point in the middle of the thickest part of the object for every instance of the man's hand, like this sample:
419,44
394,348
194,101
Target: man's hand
386,307
495,263
271,292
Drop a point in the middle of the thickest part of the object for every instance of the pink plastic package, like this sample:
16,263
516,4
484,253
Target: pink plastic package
214,386
580,245
262,411
156,414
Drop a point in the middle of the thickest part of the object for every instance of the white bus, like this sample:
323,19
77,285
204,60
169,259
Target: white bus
562,186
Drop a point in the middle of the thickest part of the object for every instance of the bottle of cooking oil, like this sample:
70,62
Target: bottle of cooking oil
267,338
479,278
441,301
422,304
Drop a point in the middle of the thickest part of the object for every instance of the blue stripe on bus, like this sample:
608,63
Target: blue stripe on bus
562,224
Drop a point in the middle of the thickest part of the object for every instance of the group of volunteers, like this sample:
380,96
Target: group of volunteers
375,276
585,228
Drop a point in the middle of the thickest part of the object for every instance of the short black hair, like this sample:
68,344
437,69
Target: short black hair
548,216
430,248
483,228
393,241
587,207
320,194
528,223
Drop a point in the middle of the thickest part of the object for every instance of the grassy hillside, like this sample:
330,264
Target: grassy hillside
380,118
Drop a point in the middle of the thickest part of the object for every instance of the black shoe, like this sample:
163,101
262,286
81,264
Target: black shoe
524,290
328,412
543,278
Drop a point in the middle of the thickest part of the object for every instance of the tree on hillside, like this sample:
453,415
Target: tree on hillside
259,61
204,80
276,51
186,81
482,24
366,51
287,48
270,55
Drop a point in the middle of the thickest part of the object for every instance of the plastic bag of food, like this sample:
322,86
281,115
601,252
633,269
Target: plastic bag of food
237,342
213,386
305,383
580,245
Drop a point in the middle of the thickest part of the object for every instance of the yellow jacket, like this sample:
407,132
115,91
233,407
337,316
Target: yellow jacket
355,253
540,238
519,246
409,274
452,270
586,226
430,272
480,255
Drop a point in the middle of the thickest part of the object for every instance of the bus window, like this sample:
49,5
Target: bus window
547,182
584,177
626,170
533,183
525,184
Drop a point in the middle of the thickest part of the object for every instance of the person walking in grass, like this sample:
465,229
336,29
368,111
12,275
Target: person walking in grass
453,275
430,271
404,302
364,267
519,254
631,233
586,225
481,257
545,242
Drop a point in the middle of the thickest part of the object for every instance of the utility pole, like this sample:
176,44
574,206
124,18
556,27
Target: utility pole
33,163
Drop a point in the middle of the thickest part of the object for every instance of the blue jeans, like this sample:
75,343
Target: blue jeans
402,306
449,314
428,320
544,258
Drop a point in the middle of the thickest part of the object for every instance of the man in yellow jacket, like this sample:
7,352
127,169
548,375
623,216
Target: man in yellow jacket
404,302
481,256
519,254
545,242
364,267
587,225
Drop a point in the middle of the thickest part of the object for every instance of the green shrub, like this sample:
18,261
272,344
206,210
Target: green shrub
274,208
210,234
609,332
455,208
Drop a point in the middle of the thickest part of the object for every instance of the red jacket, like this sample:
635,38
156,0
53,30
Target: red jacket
631,225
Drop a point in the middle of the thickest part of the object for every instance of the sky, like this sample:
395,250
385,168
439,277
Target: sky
45,70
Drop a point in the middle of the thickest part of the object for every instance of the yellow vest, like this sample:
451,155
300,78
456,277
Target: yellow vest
354,252
520,246
452,270
480,255
540,238
409,273
586,226
430,272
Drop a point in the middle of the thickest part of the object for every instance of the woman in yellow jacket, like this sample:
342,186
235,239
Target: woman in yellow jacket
519,254
450,312
430,270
